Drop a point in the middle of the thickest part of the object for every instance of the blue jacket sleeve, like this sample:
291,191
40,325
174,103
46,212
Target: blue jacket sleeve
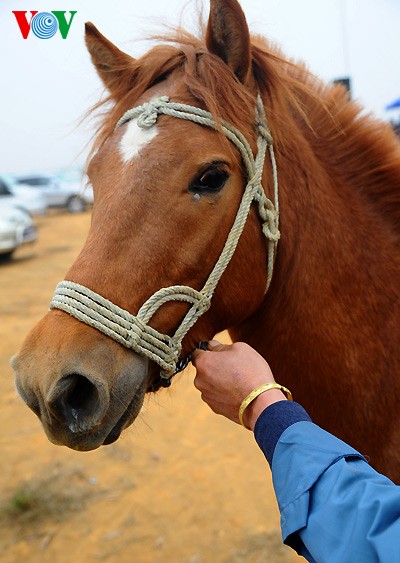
334,506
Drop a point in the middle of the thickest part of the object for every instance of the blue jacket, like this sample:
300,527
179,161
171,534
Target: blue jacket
334,506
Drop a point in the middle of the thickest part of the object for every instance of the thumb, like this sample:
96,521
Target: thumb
215,346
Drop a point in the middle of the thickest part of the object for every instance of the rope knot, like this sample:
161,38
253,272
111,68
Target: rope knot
150,112
270,230
261,120
265,133
135,332
204,304
269,216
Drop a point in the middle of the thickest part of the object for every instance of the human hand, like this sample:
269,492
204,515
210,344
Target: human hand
226,374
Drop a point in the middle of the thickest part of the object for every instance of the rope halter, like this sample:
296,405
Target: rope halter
133,331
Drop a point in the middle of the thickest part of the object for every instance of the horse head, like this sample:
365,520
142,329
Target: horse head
167,192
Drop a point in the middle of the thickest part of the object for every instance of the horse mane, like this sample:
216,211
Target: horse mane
358,148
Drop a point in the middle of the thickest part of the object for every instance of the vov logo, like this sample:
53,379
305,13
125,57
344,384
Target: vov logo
44,25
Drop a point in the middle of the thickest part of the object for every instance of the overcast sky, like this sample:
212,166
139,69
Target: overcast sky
47,85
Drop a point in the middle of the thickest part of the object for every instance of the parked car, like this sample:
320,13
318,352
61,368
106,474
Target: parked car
21,197
57,193
16,228
74,177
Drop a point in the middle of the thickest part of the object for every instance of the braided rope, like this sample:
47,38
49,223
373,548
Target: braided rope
133,331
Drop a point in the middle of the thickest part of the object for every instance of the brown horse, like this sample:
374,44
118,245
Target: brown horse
165,200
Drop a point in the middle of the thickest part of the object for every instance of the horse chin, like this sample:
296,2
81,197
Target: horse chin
107,432
126,419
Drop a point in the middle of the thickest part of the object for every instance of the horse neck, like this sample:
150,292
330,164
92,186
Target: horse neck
330,312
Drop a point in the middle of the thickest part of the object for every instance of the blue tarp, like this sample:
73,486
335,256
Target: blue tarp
394,105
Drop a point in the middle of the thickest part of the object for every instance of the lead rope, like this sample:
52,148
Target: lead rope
133,331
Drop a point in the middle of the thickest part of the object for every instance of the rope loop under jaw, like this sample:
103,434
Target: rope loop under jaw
133,331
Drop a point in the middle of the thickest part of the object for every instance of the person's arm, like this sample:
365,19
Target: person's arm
334,506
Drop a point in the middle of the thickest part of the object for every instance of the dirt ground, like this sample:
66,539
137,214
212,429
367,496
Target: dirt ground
181,485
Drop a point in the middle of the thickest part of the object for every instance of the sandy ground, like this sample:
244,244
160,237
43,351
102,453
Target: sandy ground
181,485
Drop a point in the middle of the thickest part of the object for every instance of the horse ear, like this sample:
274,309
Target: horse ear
114,67
228,36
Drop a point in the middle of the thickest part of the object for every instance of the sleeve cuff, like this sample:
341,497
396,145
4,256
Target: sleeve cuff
273,421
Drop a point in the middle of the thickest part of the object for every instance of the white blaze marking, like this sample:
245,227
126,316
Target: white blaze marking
134,139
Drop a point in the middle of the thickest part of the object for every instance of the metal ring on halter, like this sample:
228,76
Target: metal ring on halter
180,366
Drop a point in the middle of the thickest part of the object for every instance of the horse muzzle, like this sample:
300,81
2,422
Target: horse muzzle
84,387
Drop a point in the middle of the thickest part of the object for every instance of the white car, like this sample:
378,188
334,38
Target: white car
21,197
16,228
58,193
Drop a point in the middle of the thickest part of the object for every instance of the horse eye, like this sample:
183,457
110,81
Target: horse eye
211,180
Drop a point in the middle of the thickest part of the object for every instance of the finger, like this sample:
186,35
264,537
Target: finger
215,346
195,355
196,383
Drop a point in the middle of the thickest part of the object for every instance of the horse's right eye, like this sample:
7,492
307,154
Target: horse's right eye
210,180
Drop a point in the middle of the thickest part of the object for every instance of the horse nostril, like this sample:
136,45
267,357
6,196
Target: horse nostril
81,395
78,402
